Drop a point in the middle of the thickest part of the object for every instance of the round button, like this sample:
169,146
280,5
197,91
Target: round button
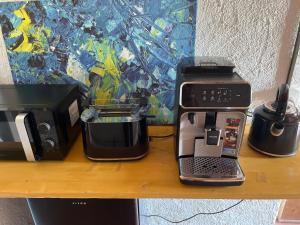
49,143
44,127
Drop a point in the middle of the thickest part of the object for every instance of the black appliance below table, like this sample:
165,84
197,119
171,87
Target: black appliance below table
84,211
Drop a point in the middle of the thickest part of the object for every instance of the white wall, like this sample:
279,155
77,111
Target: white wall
257,35
248,32
5,73
295,84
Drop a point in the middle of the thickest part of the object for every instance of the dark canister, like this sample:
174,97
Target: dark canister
275,126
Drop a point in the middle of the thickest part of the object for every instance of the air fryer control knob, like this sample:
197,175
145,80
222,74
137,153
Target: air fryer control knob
44,127
49,143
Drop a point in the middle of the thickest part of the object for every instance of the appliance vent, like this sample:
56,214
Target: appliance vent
209,167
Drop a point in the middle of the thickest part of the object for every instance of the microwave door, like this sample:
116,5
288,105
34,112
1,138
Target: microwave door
22,129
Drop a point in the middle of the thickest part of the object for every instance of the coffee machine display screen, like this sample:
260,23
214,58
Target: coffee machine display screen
212,95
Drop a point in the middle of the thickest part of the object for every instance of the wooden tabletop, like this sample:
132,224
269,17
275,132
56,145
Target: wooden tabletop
155,176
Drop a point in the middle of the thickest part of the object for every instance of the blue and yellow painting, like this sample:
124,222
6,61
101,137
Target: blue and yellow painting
114,49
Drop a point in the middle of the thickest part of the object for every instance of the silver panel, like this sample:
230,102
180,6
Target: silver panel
203,150
189,132
20,124
212,180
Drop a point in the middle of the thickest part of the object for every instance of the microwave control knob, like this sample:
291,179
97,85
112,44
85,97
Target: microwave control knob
49,143
44,127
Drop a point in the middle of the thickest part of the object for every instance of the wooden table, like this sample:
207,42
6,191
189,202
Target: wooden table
155,176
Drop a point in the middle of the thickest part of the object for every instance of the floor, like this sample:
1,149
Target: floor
15,212
290,214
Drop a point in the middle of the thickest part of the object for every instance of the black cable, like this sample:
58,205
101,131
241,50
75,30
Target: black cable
200,213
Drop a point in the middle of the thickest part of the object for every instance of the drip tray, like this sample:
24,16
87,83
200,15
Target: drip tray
211,171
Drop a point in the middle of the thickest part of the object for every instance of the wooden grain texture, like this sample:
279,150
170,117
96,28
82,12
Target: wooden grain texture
155,176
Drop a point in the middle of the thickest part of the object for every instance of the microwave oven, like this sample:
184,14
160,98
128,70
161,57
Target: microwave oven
38,122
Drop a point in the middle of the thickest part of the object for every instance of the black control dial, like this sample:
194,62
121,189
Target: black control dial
49,143
44,128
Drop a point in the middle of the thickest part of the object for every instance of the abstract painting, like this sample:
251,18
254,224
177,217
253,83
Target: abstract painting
114,49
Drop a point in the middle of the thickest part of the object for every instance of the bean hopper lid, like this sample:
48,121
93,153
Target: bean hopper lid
206,65
115,111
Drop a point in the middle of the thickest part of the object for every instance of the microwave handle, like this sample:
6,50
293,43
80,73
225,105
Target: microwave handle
21,127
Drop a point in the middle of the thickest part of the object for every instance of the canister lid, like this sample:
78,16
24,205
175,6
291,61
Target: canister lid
291,109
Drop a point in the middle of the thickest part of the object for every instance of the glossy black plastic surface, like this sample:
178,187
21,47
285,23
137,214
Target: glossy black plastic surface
45,104
216,95
203,183
34,96
84,211
261,138
194,65
115,141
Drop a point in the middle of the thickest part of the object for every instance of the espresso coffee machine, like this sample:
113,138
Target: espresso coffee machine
212,103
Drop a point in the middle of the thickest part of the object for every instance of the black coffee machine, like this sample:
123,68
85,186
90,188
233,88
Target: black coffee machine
212,103
275,129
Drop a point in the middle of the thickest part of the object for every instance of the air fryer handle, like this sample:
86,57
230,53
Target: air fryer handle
282,101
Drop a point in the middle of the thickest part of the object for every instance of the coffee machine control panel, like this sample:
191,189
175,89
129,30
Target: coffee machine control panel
199,95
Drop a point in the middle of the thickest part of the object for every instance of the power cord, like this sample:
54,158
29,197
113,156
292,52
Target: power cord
200,213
